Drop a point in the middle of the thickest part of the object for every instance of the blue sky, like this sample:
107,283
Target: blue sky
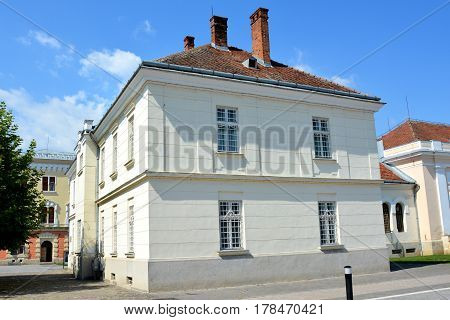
51,86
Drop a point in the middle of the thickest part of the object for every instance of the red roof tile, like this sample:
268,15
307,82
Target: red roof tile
207,57
388,175
413,130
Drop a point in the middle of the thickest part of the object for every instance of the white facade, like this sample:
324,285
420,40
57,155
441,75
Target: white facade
176,178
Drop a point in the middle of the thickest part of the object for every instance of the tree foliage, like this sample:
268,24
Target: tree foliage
21,204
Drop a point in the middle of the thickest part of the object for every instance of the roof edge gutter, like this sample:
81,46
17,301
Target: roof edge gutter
227,75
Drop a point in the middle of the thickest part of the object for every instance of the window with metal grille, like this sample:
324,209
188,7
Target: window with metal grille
327,219
79,235
399,217
130,232
227,130
102,233
386,217
114,230
102,164
321,132
114,157
230,225
131,138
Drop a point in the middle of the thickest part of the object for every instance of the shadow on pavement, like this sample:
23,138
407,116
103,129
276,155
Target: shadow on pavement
397,266
21,285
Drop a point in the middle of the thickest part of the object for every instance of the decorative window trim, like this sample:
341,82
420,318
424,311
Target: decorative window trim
48,183
230,240
130,226
131,137
129,164
113,175
232,252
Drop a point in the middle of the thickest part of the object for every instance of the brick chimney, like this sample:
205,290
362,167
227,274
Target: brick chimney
260,35
219,32
189,43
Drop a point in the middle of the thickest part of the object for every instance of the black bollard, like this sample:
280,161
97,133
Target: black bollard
348,282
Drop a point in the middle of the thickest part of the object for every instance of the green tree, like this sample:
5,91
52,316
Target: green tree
21,204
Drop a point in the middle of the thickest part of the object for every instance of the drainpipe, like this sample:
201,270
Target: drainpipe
416,189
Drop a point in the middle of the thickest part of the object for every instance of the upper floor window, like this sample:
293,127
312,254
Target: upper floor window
399,217
131,138
48,216
327,220
102,164
386,218
81,161
114,156
230,225
321,138
48,183
227,130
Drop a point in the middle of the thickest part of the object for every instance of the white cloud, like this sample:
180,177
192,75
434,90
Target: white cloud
299,63
55,118
350,81
119,63
144,27
44,39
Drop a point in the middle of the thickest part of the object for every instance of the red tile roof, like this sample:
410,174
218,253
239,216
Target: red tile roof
207,57
388,175
414,130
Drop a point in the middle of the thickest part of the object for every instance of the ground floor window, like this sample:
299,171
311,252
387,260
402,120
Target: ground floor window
230,225
327,219
399,217
386,217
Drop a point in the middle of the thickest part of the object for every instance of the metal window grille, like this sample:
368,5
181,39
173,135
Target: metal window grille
386,218
230,225
114,232
227,130
327,219
102,234
131,228
78,235
321,138
399,217
114,158
102,165
131,138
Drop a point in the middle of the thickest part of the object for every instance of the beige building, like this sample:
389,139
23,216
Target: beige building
421,151
50,241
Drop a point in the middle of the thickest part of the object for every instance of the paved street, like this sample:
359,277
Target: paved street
51,282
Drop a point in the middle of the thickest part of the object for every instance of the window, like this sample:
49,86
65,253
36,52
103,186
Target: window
79,235
48,183
131,138
102,233
81,162
114,230
399,217
321,138
22,249
130,230
48,215
387,218
114,157
230,225
327,219
227,130
102,164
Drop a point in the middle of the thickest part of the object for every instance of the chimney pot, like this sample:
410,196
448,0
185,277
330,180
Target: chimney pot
259,22
219,32
189,43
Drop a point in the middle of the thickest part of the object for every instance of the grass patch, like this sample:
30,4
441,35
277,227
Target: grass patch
438,258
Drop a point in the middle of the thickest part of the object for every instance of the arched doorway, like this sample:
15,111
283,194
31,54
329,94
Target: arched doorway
46,251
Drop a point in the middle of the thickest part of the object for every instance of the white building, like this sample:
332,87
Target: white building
220,167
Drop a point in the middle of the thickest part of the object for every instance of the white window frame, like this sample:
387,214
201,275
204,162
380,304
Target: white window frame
102,232
114,153
230,216
48,184
226,125
130,226
328,223
321,138
114,230
131,137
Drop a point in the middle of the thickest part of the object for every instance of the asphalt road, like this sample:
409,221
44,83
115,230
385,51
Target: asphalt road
413,282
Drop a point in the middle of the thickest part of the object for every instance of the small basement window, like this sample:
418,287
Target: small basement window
129,280
397,251
410,250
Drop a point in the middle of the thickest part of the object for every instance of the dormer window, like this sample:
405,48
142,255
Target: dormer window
251,62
